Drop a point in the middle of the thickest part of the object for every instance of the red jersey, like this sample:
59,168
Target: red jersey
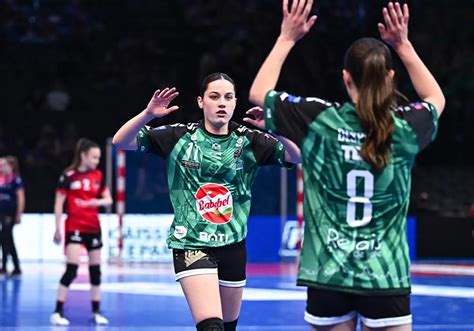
81,186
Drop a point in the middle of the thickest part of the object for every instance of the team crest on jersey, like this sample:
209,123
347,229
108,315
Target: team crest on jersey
76,185
214,203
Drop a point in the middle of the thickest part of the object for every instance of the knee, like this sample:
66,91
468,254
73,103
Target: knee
210,324
69,275
94,274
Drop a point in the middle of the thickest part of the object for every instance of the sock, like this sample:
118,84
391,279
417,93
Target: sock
59,307
95,306
230,326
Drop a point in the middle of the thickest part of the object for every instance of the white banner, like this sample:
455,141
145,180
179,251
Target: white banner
144,238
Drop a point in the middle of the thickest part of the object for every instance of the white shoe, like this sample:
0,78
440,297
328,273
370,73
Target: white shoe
99,319
58,319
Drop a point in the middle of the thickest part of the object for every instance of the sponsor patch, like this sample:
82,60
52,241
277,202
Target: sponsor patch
191,164
214,203
180,232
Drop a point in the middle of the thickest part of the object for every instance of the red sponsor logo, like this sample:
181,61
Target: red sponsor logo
214,203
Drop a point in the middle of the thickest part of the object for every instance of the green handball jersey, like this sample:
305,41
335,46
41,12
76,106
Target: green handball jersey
355,218
210,178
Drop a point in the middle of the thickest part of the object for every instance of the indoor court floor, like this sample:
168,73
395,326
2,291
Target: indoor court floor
145,297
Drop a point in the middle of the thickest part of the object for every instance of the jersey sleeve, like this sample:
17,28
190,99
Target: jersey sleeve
63,183
290,116
267,149
423,119
18,182
160,140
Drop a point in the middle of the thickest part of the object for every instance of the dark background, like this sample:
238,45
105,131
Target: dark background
82,68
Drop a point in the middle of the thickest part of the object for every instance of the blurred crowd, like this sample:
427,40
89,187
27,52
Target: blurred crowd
71,68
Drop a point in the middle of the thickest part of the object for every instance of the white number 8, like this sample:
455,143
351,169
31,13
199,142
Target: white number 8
354,199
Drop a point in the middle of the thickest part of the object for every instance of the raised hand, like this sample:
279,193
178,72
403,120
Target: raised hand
158,105
258,120
395,30
295,22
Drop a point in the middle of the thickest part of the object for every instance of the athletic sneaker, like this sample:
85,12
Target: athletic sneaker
58,319
99,319
15,273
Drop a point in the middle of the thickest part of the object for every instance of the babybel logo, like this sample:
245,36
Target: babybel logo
214,203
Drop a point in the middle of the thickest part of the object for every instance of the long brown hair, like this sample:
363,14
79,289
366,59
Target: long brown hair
368,61
83,145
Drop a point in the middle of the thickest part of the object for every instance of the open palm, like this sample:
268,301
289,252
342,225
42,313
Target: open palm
395,30
158,105
296,20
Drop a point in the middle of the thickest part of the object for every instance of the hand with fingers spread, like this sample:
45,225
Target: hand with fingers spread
158,105
295,22
395,30
257,121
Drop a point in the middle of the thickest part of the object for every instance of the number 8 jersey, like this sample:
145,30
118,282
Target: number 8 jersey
210,178
355,218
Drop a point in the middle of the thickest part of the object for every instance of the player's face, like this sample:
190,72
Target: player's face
91,158
218,102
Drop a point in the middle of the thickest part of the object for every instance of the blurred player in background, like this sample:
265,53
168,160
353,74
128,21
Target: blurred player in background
81,186
12,205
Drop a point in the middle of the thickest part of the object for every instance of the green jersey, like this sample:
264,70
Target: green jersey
355,217
210,178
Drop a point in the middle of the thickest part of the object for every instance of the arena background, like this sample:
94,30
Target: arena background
71,68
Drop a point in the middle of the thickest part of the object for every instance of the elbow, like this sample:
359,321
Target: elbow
117,142
442,102
256,97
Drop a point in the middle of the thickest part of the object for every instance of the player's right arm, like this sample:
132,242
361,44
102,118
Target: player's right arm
395,33
58,214
125,137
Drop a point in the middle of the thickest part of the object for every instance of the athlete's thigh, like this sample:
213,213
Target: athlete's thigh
196,271
406,327
73,253
202,293
387,312
231,299
94,256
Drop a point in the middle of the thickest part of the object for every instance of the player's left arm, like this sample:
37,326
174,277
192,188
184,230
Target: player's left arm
105,199
20,203
292,152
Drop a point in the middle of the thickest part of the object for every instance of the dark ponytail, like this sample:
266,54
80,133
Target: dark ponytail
83,145
212,77
368,61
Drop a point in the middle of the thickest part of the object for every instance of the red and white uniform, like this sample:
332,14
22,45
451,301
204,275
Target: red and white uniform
81,186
